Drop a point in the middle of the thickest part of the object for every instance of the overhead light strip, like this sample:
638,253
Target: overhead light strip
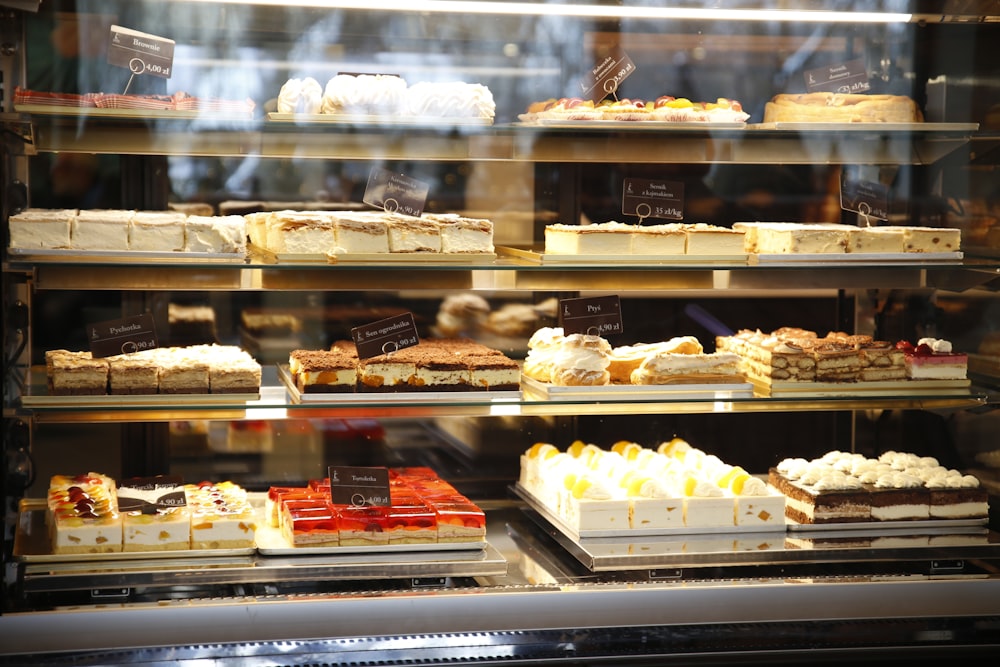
585,11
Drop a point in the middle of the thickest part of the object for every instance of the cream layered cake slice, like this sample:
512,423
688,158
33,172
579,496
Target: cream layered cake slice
301,232
755,503
800,238
221,516
323,371
160,231
154,514
82,514
71,373
181,371
931,239
413,235
460,234
133,374
651,504
38,228
231,370
881,240
386,372
360,234
94,229
705,504
818,493
605,238
592,505
933,359
493,372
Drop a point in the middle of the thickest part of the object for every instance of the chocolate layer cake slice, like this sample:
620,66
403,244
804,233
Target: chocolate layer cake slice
808,504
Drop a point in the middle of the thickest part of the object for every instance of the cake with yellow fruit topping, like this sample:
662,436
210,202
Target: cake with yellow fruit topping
628,488
664,108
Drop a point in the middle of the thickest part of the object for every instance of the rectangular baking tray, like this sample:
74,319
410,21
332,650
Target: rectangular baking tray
671,392
270,542
782,389
376,120
866,127
395,396
134,400
852,258
123,256
538,256
633,533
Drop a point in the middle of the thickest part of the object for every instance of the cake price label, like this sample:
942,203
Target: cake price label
395,193
869,199
849,77
653,199
132,334
141,53
359,486
385,336
606,76
596,316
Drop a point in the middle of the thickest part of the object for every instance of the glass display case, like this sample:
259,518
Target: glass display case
525,116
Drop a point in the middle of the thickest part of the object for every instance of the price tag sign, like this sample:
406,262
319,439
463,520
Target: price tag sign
849,77
141,53
149,494
395,193
653,199
869,199
132,334
385,336
359,486
597,316
606,76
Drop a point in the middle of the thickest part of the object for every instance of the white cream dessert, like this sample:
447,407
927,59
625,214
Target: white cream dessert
450,100
675,486
675,368
37,228
801,238
875,240
931,239
301,232
460,234
542,347
705,239
360,234
413,235
96,229
605,238
665,239
371,94
159,231
303,96
581,360
223,234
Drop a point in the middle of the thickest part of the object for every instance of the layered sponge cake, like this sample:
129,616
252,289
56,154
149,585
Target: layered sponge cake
841,487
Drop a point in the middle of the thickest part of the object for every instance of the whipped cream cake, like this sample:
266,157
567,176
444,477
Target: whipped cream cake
631,487
37,228
841,487
158,231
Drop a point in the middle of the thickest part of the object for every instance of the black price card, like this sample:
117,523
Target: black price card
606,76
395,193
359,486
849,77
868,198
597,316
141,53
385,336
653,199
132,334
